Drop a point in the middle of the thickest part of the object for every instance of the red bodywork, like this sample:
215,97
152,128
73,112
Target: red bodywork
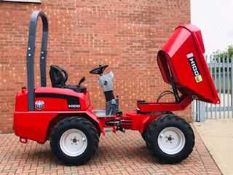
183,57
191,82
36,125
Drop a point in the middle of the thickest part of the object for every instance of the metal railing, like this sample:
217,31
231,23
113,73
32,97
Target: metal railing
221,68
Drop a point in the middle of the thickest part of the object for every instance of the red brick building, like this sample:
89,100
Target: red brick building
126,34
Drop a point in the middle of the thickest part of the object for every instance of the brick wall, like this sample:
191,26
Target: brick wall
126,34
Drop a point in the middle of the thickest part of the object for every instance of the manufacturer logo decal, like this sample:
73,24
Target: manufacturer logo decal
73,106
195,70
39,105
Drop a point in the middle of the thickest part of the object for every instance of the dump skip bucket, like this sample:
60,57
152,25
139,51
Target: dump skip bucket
182,62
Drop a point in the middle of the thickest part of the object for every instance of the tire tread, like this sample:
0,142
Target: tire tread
157,125
74,121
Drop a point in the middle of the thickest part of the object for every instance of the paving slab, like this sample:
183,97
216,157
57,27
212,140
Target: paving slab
218,138
119,154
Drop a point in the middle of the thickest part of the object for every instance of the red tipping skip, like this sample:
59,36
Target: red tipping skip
182,61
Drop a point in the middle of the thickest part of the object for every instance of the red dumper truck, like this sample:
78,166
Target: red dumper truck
64,115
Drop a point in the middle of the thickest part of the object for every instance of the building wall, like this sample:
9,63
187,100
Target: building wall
126,34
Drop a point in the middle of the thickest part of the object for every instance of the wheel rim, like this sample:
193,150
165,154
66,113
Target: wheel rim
171,140
73,142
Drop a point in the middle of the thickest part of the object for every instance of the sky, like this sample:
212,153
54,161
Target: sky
215,19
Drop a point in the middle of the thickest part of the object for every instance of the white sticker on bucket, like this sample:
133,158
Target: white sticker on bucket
195,70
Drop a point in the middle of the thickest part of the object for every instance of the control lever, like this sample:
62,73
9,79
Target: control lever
81,81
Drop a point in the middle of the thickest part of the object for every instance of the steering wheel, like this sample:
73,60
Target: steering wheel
99,70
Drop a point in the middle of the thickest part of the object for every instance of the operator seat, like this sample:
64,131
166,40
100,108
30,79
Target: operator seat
59,76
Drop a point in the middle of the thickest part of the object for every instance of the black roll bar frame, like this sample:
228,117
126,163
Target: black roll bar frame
31,54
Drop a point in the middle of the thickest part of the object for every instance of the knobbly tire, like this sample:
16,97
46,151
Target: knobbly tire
74,140
145,138
170,139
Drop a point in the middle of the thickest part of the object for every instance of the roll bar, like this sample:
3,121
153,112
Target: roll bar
31,53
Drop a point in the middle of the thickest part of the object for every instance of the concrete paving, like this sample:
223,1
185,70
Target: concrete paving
218,138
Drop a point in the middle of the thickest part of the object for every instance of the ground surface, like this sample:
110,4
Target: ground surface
218,137
119,154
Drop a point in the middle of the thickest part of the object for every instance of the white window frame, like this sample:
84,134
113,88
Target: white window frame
32,1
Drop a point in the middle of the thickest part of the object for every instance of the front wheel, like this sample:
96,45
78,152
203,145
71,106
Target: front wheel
171,139
74,140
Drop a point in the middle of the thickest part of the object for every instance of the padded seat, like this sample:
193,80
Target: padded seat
59,76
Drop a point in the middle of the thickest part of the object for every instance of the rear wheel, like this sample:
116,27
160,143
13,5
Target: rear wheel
74,140
145,138
171,139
